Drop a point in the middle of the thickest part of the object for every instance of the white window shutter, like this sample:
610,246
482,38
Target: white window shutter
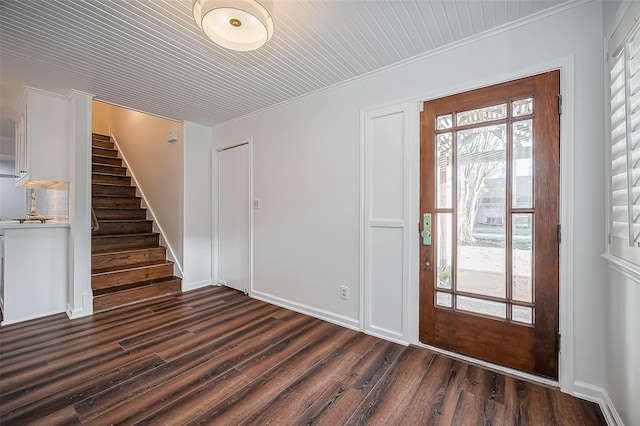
624,155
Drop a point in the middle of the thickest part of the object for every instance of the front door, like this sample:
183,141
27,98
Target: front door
490,212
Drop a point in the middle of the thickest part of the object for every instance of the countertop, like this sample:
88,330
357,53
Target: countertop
14,224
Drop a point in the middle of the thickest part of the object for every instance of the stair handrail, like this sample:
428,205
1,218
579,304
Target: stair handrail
94,220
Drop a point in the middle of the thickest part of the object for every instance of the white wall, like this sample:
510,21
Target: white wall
198,248
622,345
100,118
306,169
8,145
306,174
157,166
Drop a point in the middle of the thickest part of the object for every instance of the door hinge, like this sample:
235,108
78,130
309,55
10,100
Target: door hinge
559,340
559,104
559,233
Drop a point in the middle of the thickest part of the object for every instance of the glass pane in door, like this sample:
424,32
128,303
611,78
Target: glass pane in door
522,107
444,173
522,257
522,174
490,113
444,234
481,306
481,231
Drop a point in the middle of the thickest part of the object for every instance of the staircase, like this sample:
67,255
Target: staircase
128,265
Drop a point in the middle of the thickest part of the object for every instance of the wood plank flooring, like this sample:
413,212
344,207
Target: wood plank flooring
215,356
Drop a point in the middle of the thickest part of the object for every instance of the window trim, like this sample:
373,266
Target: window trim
623,259
623,267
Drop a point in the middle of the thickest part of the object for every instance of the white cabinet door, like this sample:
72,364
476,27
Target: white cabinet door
35,276
42,147
21,144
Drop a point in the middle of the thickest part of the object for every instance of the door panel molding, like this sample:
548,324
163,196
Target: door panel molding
386,225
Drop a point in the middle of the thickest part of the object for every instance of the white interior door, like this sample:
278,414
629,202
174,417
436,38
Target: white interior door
234,220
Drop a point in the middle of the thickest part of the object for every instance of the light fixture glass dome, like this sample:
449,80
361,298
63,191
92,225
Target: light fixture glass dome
234,24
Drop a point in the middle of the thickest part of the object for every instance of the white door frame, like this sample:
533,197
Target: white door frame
215,155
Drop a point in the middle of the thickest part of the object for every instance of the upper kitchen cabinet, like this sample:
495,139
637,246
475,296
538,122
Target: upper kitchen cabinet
42,147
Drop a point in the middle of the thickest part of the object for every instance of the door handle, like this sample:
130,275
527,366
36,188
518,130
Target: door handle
426,229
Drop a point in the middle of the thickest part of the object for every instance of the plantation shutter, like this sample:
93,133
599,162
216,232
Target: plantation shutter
624,185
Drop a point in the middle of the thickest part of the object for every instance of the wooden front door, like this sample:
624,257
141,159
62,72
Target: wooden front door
490,214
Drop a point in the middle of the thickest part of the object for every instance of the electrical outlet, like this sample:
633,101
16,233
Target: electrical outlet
344,292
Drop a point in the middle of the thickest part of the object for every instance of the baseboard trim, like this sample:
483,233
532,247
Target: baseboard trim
193,286
85,310
341,320
601,397
75,313
30,317
382,334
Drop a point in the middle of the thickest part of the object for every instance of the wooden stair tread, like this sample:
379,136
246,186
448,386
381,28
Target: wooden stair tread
105,196
125,220
108,166
105,156
123,191
131,286
108,183
124,251
142,292
105,149
108,174
144,265
124,241
113,196
127,235
99,143
125,257
118,208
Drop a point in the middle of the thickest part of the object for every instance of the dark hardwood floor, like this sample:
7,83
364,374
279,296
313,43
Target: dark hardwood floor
216,356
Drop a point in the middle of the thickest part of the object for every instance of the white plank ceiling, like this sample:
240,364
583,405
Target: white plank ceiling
149,55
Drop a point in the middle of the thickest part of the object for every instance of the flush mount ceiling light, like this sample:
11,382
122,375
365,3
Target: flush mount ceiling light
235,24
